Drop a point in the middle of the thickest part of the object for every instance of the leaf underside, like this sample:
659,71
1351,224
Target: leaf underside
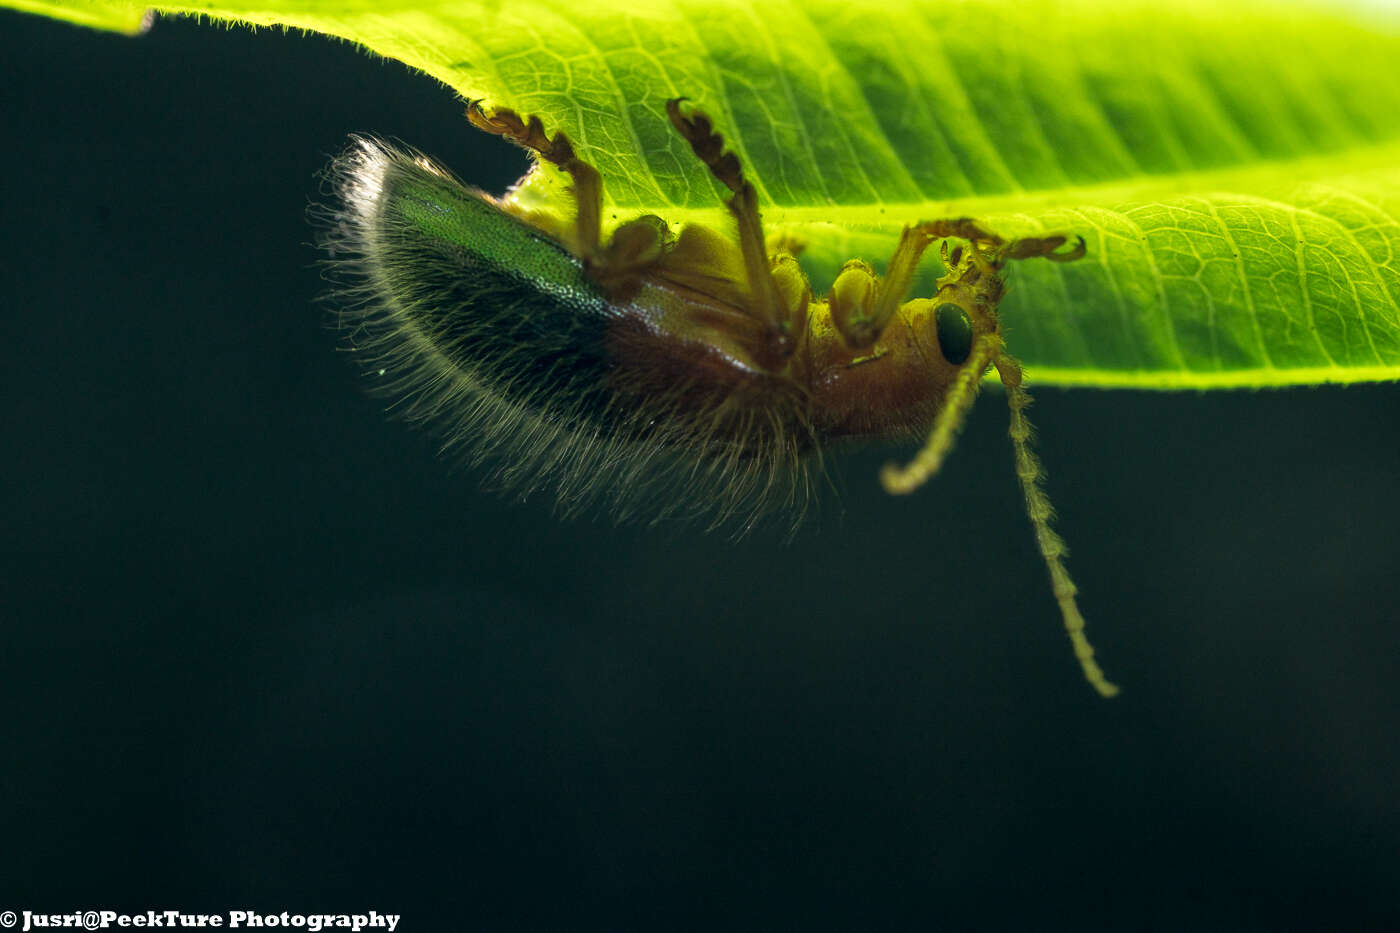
1234,171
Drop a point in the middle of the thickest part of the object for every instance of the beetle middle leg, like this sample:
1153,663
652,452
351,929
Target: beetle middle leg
776,296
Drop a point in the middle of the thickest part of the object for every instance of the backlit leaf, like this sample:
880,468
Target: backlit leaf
1234,168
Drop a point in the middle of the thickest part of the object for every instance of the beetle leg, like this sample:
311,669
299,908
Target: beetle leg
899,275
852,301
632,249
1033,247
558,150
782,329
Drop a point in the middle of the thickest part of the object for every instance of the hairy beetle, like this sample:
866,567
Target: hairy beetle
617,367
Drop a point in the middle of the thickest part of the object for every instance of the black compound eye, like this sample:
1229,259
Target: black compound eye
954,333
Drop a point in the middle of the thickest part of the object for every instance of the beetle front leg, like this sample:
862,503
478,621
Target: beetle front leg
862,305
1044,247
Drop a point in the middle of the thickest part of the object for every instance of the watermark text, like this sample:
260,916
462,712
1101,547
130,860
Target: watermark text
27,920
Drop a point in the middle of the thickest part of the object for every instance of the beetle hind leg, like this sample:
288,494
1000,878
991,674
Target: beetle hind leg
558,150
631,249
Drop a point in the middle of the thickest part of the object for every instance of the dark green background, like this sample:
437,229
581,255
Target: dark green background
263,649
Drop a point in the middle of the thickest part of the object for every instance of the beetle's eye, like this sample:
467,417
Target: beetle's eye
954,333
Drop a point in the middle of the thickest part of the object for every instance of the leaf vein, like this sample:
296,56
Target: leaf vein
1249,304
842,124
1125,318
1161,283
623,113
762,30
735,138
1303,286
951,69
1366,256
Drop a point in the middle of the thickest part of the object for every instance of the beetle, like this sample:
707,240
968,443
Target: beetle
616,368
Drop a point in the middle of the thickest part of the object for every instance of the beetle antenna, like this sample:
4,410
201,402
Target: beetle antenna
962,393
1052,547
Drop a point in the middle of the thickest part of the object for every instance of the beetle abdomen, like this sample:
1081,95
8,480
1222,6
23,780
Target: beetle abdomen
454,288
492,331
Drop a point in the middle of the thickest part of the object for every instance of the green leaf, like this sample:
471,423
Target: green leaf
118,17
1235,170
